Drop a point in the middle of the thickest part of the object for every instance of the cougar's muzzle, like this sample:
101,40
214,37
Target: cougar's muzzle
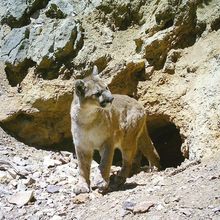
106,98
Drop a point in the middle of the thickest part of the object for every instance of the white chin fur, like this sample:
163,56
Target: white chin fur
108,105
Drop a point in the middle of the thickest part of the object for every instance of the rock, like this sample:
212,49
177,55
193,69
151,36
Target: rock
72,180
41,44
13,183
61,158
165,14
59,9
28,181
216,210
172,199
12,172
53,189
42,184
158,181
156,45
56,217
186,212
55,12
160,207
66,154
4,192
214,177
22,211
128,205
37,174
149,70
50,203
49,212
3,176
121,14
127,75
48,162
21,198
16,15
142,207
171,59
19,161
52,35
81,198
39,214
2,217
21,186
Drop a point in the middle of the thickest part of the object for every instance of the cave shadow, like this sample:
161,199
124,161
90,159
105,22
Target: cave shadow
65,145
167,140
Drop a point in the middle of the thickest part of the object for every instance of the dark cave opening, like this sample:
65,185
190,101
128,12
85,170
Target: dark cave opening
117,159
167,140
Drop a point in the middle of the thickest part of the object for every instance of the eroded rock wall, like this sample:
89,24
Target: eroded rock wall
164,53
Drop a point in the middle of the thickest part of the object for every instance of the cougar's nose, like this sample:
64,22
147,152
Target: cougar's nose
108,96
111,99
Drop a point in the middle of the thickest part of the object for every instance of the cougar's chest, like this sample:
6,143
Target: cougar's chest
94,133
98,135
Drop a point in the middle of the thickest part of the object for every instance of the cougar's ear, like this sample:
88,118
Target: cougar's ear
80,88
95,71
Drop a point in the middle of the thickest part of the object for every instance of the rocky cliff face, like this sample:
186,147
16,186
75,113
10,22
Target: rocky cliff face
165,53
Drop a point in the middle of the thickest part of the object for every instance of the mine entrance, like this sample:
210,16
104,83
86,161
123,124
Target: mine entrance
167,140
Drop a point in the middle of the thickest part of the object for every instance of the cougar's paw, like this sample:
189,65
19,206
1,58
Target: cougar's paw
81,188
135,169
153,169
100,183
116,181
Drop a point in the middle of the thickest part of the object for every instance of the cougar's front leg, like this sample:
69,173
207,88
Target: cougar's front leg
107,152
84,162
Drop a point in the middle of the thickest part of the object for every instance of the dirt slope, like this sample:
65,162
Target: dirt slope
192,191
164,53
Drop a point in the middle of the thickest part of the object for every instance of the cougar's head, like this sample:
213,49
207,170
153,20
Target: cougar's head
93,91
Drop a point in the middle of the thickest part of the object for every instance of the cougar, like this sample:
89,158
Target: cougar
103,121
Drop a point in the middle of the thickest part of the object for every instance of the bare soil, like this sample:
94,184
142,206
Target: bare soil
190,191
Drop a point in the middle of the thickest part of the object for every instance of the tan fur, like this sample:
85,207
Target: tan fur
120,124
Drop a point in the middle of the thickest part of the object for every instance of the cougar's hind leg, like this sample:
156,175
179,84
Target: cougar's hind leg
128,155
149,151
136,165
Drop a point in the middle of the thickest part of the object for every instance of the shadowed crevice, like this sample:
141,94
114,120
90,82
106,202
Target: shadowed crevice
167,140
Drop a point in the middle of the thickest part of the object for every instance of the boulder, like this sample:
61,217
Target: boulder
17,13
41,44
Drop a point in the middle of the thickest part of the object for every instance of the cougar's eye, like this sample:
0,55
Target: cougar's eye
98,94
